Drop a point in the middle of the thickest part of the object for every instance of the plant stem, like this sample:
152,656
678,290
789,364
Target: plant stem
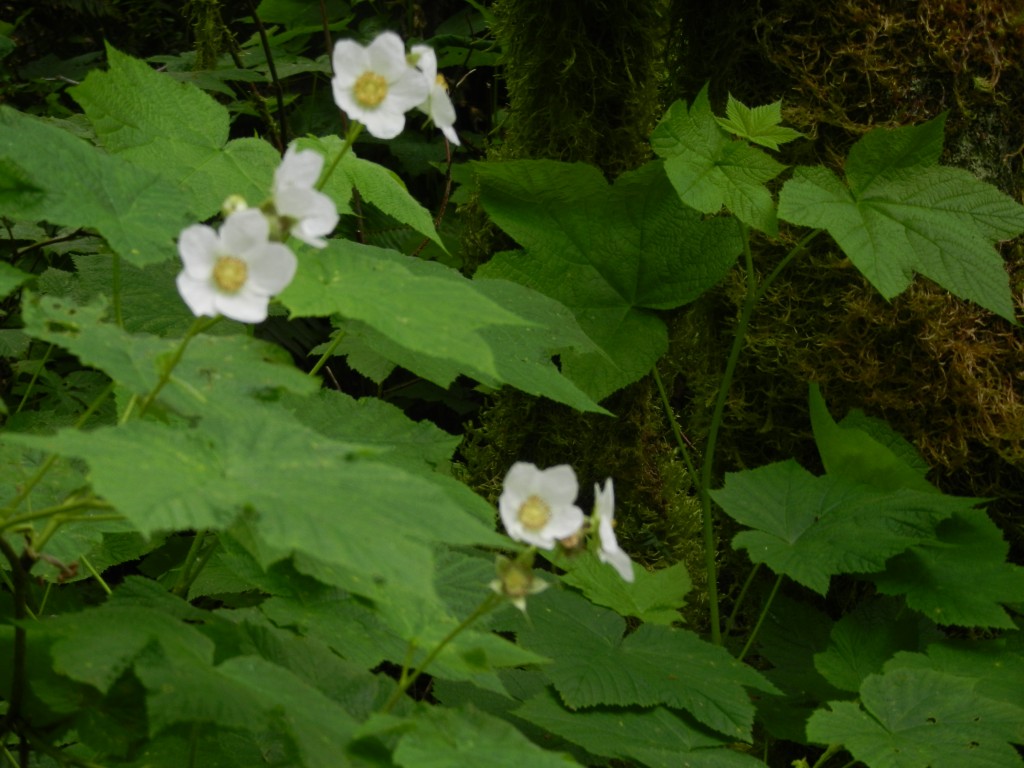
32,381
761,618
115,288
676,431
195,561
731,621
96,575
327,353
201,324
19,676
354,129
827,755
489,603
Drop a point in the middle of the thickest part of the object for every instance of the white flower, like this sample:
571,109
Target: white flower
538,506
438,105
312,214
233,272
376,85
516,581
604,511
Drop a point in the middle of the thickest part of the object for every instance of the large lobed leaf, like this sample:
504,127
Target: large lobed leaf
812,528
899,212
437,322
608,253
175,130
593,664
137,211
710,169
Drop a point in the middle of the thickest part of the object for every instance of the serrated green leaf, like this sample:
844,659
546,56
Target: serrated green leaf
655,597
377,186
137,211
437,322
138,114
812,528
854,454
375,423
593,664
309,493
608,253
921,718
863,640
657,738
961,577
709,169
899,213
761,125
445,737
11,278
213,368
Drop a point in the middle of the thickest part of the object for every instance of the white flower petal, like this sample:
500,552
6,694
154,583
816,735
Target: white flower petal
198,246
386,55
242,231
199,295
299,168
271,268
426,61
349,60
558,485
556,488
246,306
610,552
408,91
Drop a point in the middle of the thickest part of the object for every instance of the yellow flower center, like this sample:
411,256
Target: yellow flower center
516,581
370,89
229,273
442,82
534,513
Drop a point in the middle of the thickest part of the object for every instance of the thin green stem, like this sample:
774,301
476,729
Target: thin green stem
8,755
707,468
58,509
354,129
327,353
19,674
827,755
795,251
676,431
195,561
761,618
489,603
35,377
730,623
201,324
96,575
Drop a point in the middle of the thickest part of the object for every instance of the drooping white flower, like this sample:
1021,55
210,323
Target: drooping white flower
604,511
310,212
376,85
438,105
516,580
539,506
235,271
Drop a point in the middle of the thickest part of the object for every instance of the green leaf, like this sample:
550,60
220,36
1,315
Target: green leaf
921,718
438,322
709,169
863,640
593,664
11,278
854,454
899,213
135,210
961,577
658,738
761,125
608,253
138,113
446,737
213,368
378,424
656,597
308,493
812,528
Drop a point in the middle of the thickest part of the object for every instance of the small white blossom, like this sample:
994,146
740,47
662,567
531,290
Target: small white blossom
235,271
516,581
376,85
438,105
604,511
311,213
539,506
